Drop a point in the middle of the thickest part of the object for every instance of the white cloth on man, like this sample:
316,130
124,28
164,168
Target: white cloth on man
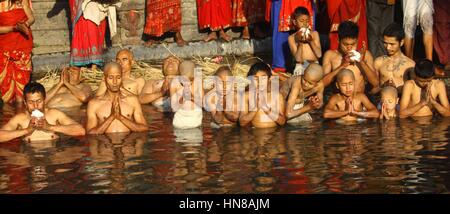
186,118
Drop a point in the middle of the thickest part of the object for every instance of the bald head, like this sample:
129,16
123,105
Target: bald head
345,73
314,72
187,69
112,67
389,91
113,76
126,59
125,52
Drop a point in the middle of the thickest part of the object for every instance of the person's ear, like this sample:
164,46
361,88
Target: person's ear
398,99
337,85
402,42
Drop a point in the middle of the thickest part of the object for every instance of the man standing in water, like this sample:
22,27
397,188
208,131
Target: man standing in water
424,93
263,108
114,111
38,123
157,91
130,84
69,92
392,67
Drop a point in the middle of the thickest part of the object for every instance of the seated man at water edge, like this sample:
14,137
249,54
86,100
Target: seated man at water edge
38,122
389,103
69,92
424,93
305,43
306,95
157,91
263,105
348,104
392,67
115,111
186,94
130,84
346,57
222,99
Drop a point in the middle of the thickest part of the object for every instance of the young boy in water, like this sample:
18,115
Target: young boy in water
349,105
305,43
389,103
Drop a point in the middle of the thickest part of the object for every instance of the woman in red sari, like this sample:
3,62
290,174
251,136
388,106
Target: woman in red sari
16,44
215,15
88,38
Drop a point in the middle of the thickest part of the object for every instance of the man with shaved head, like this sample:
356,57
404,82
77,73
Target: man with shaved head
130,84
115,111
186,98
349,104
306,94
157,91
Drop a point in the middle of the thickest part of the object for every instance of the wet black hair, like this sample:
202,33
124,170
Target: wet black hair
300,11
259,66
424,69
34,87
394,30
348,29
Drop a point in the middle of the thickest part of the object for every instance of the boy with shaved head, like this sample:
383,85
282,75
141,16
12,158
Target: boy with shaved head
348,104
306,94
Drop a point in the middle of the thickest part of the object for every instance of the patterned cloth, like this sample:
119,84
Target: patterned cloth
87,38
15,56
162,16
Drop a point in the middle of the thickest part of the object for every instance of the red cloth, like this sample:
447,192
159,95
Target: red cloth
162,16
87,38
247,12
288,7
214,14
15,56
344,10
442,30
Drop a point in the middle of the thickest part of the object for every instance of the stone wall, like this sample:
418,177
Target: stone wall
52,35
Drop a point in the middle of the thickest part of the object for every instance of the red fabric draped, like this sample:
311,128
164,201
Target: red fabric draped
247,12
162,16
344,10
15,56
87,38
214,14
287,8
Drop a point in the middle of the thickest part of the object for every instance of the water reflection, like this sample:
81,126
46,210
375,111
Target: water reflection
404,156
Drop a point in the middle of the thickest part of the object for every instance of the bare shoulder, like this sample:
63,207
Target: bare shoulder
439,84
380,60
